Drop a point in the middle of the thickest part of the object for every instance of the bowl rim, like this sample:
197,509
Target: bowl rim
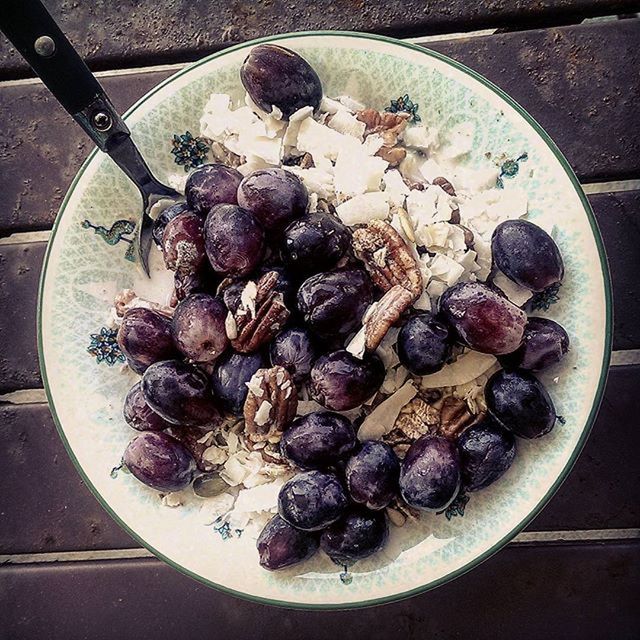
596,400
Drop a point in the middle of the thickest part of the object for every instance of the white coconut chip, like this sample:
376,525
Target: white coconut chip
215,455
230,327
514,292
466,368
356,344
364,208
381,420
345,122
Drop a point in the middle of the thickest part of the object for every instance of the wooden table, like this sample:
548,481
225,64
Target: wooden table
68,571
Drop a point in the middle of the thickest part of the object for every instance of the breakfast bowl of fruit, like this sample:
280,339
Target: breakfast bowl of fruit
374,334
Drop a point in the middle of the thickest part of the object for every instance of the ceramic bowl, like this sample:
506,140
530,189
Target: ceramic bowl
91,255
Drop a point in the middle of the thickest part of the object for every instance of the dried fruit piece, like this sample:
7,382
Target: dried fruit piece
261,315
271,404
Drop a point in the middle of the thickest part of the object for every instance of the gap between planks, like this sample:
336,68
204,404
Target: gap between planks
525,538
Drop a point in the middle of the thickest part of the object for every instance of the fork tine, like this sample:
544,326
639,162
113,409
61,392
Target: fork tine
145,239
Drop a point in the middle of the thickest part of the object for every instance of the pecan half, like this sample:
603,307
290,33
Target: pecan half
387,258
385,313
261,316
417,418
271,404
454,417
445,185
393,155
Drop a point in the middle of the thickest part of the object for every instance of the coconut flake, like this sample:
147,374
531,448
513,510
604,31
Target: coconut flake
262,497
172,500
230,327
345,122
316,181
214,455
364,208
356,172
466,368
381,420
514,292
290,138
421,137
350,103
395,187
248,297
356,344
263,413
446,269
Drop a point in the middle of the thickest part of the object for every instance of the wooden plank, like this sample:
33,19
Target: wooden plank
579,82
587,592
128,33
45,507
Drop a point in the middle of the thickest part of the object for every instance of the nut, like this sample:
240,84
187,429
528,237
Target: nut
445,185
416,419
193,438
393,155
223,155
384,314
387,258
271,404
263,315
454,417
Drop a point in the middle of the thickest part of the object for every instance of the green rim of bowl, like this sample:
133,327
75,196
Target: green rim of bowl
596,401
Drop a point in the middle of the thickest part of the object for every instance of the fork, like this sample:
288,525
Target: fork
35,34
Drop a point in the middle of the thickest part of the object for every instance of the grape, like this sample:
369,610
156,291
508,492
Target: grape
334,303
372,475
180,393
210,185
145,337
274,196
159,461
294,349
161,221
139,414
312,500
315,243
183,243
198,327
340,381
483,319
527,254
430,473
318,440
486,452
230,377
201,281
519,402
424,344
234,240
275,76
357,535
544,343
281,545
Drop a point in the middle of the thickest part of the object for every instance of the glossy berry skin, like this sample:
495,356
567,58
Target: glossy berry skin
198,327
183,243
357,535
295,350
372,475
275,76
519,401
281,545
159,461
211,185
312,500
318,440
483,319
180,393
161,221
274,196
201,281
234,240
486,453
527,254
230,377
430,473
545,343
138,414
340,381
145,337
333,303
315,243
424,344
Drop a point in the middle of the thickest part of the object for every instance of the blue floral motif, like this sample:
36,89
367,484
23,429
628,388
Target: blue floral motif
223,527
115,234
457,507
544,299
189,152
509,169
104,347
404,104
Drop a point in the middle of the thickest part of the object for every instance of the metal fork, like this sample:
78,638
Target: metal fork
34,33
